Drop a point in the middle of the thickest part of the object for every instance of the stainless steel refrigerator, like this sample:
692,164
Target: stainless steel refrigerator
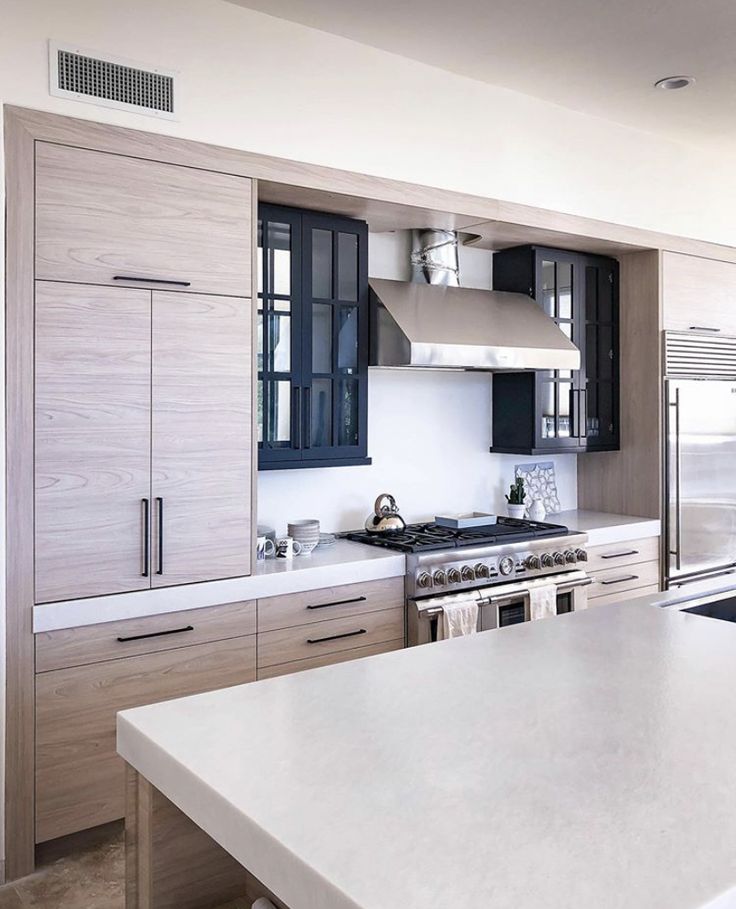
700,470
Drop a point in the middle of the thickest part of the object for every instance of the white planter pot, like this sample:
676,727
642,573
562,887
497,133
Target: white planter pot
516,511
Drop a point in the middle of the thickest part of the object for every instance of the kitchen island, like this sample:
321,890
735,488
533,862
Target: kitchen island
580,761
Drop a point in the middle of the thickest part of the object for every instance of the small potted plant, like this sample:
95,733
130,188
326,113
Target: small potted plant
515,498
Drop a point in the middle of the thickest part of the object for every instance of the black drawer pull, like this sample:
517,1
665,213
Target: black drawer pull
620,555
146,540
626,577
703,328
337,603
336,637
155,634
152,280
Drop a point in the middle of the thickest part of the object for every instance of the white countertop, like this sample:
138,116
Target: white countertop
585,760
603,528
342,563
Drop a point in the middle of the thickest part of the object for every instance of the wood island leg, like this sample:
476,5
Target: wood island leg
170,863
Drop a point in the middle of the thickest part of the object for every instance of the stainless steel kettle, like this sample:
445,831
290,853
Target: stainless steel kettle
385,517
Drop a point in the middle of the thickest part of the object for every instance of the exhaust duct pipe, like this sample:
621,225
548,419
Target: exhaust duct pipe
434,258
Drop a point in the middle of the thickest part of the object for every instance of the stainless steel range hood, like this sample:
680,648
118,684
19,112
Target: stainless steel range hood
439,326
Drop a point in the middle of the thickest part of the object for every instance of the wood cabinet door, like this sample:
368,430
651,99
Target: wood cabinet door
698,294
202,438
92,439
101,218
79,776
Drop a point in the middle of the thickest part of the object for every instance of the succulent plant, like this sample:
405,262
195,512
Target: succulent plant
517,493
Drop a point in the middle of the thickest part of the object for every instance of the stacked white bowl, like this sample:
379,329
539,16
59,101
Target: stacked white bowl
306,533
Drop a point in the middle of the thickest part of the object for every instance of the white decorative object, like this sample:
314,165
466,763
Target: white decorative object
537,511
516,511
540,483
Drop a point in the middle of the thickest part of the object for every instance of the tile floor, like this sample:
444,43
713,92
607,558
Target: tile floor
83,872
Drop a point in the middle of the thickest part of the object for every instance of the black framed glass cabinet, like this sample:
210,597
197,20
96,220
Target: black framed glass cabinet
312,339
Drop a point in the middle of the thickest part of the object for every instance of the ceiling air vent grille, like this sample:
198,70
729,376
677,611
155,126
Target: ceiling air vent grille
88,76
692,355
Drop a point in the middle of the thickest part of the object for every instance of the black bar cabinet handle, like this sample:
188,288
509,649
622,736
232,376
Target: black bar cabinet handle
336,637
703,328
155,634
337,603
620,555
146,537
297,418
160,506
152,280
626,577
307,417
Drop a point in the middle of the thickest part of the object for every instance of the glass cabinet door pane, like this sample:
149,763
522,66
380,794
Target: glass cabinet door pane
259,257
321,337
347,338
548,288
564,410
549,426
278,423
259,409
280,342
279,265
347,430
322,264
320,420
259,339
564,290
347,266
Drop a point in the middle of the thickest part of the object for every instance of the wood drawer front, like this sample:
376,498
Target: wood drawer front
101,215
600,558
698,293
625,577
329,602
332,636
327,659
626,597
79,776
96,643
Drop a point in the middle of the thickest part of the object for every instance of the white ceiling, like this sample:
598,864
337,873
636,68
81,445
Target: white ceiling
600,57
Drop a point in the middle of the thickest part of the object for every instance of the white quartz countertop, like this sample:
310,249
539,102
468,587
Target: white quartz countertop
581,761
342,563
603,528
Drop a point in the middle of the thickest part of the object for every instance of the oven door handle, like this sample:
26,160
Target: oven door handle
566,588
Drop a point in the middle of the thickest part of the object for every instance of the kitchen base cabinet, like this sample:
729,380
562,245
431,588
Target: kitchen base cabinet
623,571
328,659
80,780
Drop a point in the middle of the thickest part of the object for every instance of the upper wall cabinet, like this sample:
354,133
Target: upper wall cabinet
698,294
562,410
104,218
312,339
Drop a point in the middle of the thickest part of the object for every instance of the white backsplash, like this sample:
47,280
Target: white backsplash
428,435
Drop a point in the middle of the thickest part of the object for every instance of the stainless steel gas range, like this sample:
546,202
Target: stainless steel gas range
499,565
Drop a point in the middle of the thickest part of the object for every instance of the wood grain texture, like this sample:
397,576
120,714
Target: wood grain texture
92,439
698,293
100,215
616,554
629,481
79,776
626,596
96,643
623,578
328,659
19,484
329,603
287,645
202,436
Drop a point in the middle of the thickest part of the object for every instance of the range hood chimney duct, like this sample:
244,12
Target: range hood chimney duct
434,257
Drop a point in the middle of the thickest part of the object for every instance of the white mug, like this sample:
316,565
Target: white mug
287,548
263,545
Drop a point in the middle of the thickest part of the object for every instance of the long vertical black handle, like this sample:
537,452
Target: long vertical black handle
146,537
296,422
307,417
160,507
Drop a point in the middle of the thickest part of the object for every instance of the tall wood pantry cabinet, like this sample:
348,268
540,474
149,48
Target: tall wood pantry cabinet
143,412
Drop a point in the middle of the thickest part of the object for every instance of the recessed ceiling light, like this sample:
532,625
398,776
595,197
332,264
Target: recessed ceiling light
671,83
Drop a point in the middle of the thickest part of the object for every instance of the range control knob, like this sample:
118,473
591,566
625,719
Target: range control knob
454,576
559,558
424,580
533,562
440,577
547,561
506,565
467,573
571,557
582,555
481,571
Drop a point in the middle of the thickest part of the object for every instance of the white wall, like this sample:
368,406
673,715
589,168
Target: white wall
254,82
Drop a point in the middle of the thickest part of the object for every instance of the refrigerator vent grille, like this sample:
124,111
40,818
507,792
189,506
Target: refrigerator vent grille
693,355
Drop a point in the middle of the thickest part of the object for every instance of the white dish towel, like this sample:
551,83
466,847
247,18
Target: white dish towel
459,617
542,601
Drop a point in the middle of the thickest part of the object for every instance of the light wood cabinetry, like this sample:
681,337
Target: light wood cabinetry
92,439
623,571
103,217
698,294
329,659
614,555
202,430
79,777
